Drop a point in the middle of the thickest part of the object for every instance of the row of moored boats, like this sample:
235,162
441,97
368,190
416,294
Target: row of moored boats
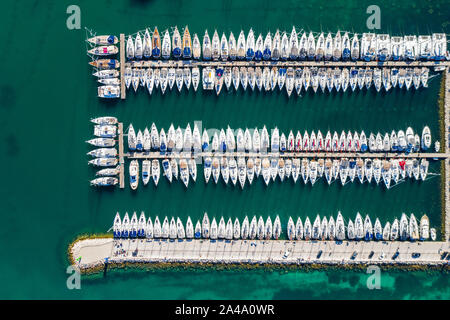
279,46
407,228
105,130
241,170
268,79
257,140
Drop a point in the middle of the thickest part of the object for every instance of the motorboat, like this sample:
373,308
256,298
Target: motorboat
146,171
104,162
426,138
424,228
104,181
167,169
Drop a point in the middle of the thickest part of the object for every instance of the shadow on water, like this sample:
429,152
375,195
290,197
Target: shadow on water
7,96
110,103
141,3
12,146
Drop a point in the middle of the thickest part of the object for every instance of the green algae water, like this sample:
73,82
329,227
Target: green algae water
47,96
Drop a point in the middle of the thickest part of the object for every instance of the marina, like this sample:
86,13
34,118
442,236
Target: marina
402,62
52,199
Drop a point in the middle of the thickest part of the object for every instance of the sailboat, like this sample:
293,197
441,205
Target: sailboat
224,48
368,229
236,229
259,49
198,230
253,228
267,52
299,229
340,228
293,45
189,228
187,46
307,229
277,228
156,44
229,230
245,229
290,229
261,230
206,48
250,46
176,44
213,233
268,229
196,47
232,47
205,226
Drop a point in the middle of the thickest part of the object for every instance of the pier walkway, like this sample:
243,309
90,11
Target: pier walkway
287,154
94,251
279,63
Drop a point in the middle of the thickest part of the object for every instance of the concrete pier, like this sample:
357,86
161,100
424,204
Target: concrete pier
94,252
381,155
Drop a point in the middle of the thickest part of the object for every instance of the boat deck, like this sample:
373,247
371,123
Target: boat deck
94,251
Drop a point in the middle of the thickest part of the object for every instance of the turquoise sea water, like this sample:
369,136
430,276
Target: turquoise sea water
48,96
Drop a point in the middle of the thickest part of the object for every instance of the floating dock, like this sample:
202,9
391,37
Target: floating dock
94,252
121,157
123,92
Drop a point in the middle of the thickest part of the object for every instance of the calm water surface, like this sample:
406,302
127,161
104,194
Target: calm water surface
47,96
